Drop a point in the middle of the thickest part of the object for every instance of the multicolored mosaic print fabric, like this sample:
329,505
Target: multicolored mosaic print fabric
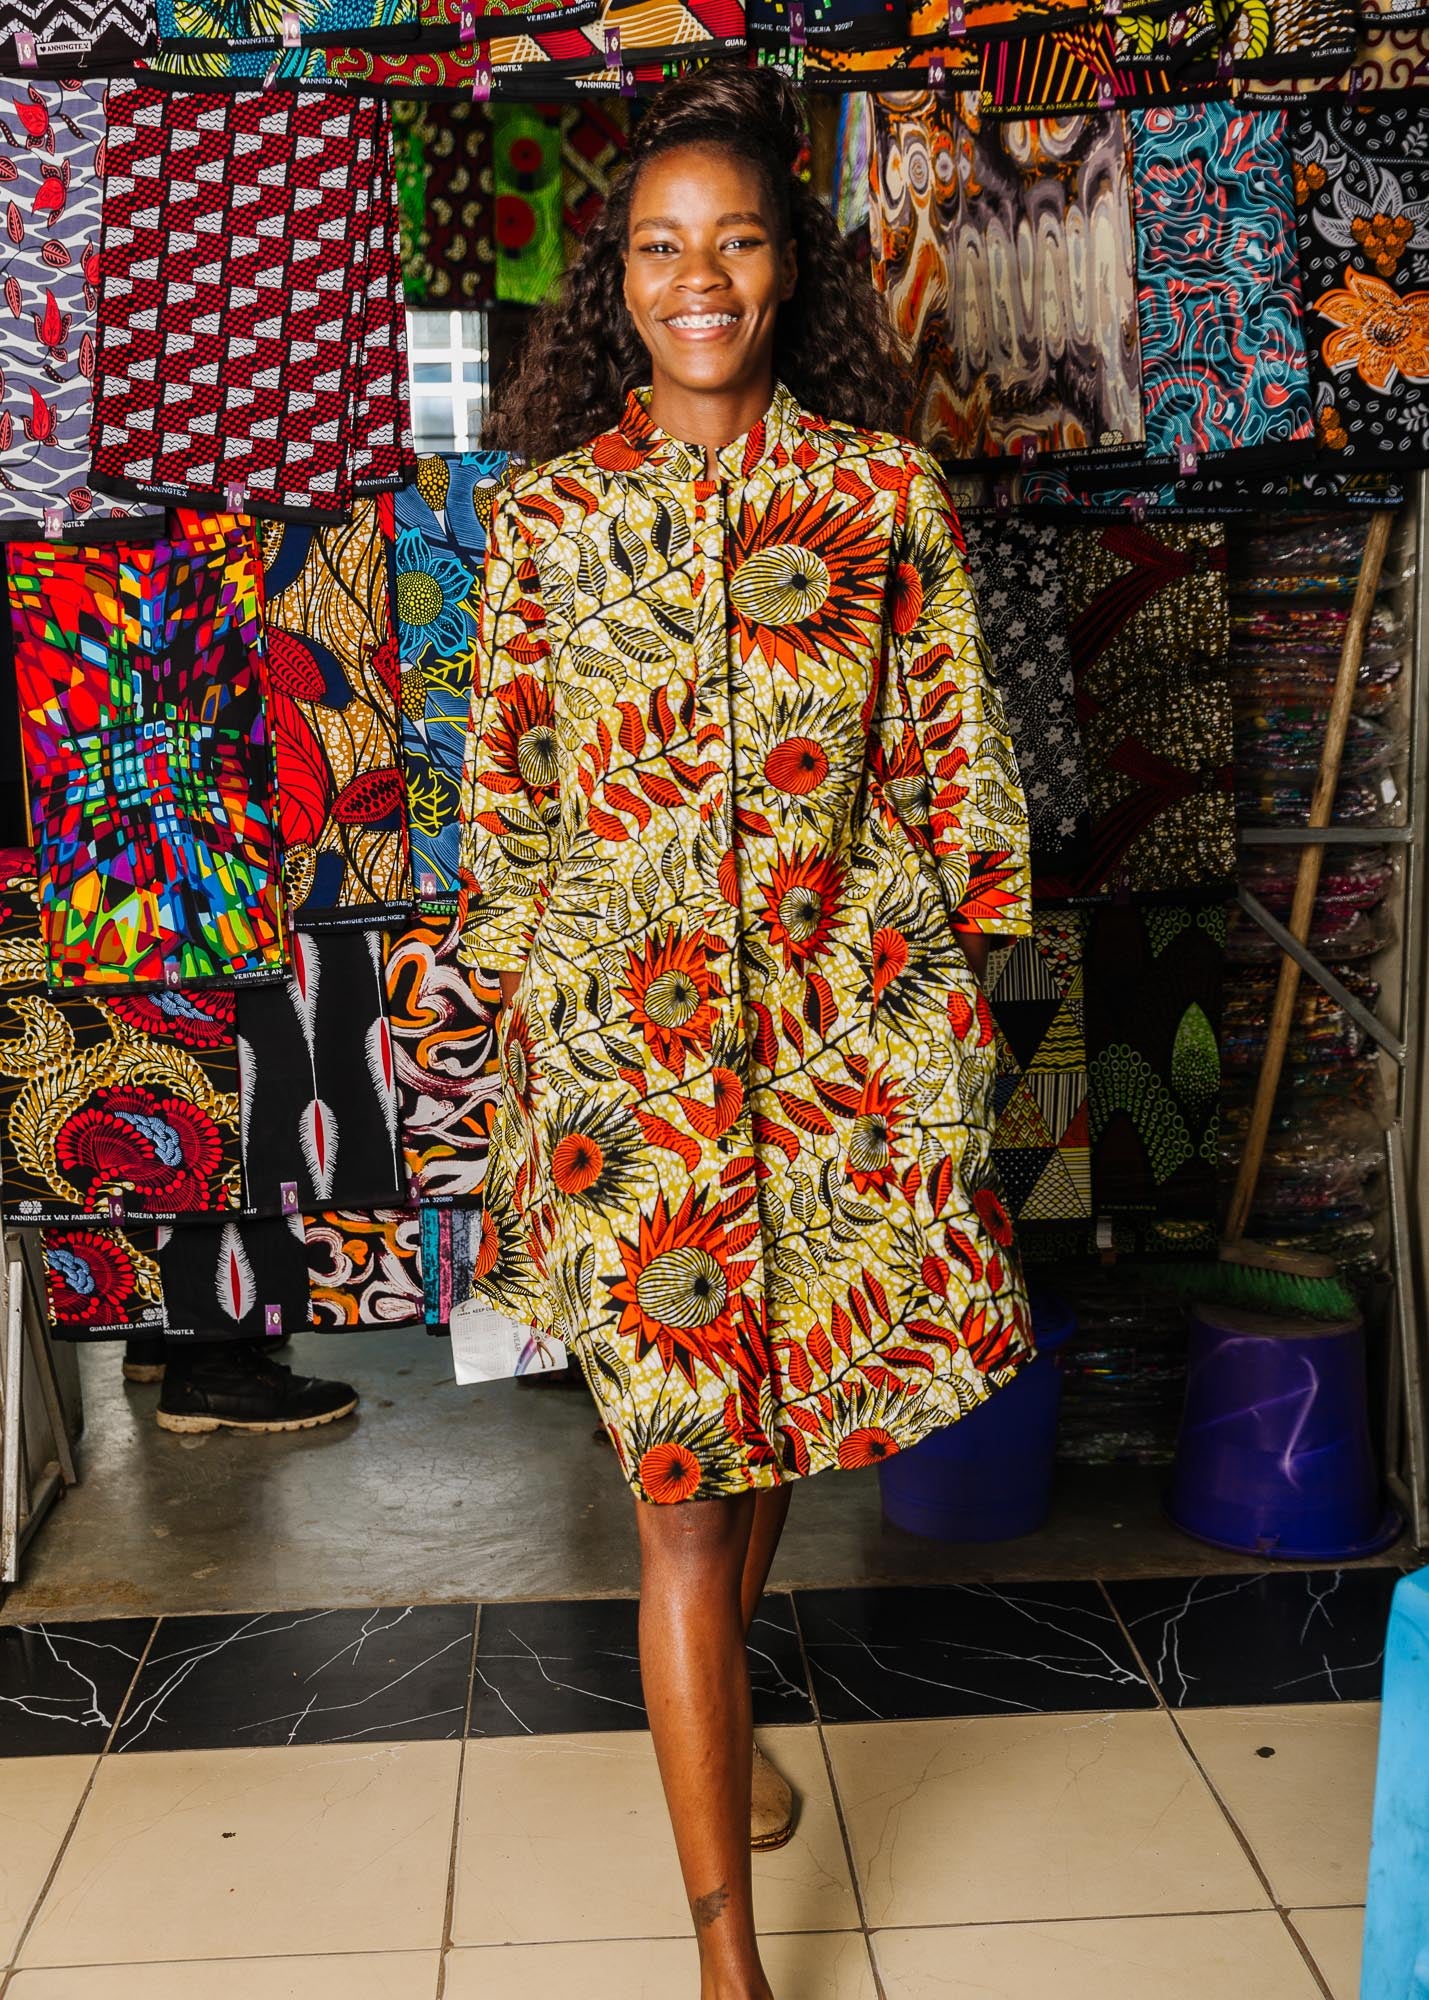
1223,361
1150,642
448,1071
1362,186
364,1267
333,690
259,338
318,1081
440,548
140,677
746,1097
1015,360
236,1282
1041,1147
129,1101
1016,574
1153,1054
50,136
72,36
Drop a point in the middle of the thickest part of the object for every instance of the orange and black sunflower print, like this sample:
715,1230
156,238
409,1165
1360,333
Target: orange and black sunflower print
736,779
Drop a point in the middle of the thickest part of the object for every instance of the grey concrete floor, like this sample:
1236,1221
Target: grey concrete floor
436,1493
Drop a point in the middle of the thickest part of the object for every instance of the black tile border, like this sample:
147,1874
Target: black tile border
41,1719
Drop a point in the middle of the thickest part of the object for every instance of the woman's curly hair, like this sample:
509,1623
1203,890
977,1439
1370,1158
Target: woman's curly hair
832,345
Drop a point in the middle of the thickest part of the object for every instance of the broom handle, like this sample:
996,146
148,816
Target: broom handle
1307,879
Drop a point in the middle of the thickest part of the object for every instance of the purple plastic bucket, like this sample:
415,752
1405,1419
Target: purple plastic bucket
987,1477
1274,1456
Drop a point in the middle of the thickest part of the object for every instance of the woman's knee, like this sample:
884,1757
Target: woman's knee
702,1536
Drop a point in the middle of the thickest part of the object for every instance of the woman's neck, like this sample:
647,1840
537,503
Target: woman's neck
711,418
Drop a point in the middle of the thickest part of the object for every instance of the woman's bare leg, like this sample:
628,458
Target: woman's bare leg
696,1678
771,1509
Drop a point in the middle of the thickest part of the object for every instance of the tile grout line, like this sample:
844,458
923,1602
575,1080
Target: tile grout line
450,1905
1281,1910
69,1832
835,1795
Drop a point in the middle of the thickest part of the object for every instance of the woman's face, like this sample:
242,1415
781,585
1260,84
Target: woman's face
705,272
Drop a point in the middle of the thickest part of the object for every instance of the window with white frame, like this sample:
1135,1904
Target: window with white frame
448,358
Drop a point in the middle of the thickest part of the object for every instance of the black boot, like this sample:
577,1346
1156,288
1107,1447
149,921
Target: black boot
237,1386
144,1360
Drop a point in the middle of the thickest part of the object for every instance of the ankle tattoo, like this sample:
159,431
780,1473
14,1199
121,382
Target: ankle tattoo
705,1909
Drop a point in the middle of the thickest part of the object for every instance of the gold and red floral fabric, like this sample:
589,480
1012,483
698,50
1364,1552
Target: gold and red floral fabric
735,779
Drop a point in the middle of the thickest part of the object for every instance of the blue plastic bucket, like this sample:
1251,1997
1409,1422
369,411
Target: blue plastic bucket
988,1477
1274,1456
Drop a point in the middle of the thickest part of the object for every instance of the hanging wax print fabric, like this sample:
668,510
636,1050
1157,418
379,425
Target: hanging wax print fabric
249,341
462,44
857,23
595,138
452,1240
49,268
409,159
333,690
1362,188
217,27
237,1281
1223,361
1153,982
526,156
140,677
318,1086
72,36
1069,71
22,944
443,1020
364,1267
660,31
102,1284
118,1109
1149,629
1292,38
437,559
1007,371
460,204
1041,1147
1016,574
913,204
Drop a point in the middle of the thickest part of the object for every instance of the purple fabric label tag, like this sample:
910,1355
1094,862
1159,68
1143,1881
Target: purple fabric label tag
26,52
467,21
115,1203
1186,460
289,1194
796,27
481,83
273,1319
292,30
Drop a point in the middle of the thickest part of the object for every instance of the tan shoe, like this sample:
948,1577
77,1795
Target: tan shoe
771,1816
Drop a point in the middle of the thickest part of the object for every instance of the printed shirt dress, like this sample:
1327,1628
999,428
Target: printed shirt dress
736,777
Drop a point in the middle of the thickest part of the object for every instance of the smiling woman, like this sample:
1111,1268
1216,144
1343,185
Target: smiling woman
739,809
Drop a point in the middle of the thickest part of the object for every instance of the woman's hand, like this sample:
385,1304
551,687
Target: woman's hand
976,946
508,982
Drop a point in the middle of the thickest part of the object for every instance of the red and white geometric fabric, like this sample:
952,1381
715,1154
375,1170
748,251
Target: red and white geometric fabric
250,321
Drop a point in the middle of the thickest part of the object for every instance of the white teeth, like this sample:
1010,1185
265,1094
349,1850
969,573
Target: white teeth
703,319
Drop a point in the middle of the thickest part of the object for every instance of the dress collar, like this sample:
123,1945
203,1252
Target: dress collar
638,445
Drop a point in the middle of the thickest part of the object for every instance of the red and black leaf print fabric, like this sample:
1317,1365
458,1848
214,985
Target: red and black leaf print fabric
237,1282
318,1081
736,779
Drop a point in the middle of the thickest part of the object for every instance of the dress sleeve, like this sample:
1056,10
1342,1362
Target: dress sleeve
941,748
510,800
